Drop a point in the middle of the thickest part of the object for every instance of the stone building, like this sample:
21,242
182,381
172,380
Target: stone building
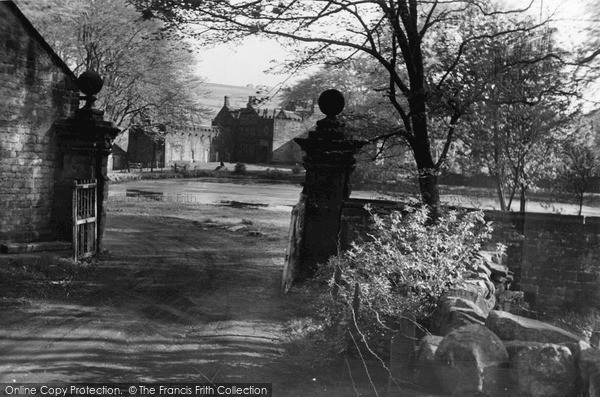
175,145
262,136
36,89
190,144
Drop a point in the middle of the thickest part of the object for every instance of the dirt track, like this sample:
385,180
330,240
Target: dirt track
186,293
176,301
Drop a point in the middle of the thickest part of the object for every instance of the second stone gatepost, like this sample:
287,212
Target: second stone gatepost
329,162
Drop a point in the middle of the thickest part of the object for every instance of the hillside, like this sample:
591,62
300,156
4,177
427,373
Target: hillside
238,97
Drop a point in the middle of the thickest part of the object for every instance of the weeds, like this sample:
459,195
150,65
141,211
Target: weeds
41,276
404,268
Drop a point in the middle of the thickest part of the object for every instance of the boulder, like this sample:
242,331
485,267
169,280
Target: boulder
482,269
455,312
471,360
510,299
472,289
509,326
425,362
547,370
589,368
513,347
493,257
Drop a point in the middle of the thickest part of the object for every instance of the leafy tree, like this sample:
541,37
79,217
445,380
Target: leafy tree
514,131
148,80
589,50
368,114
581,161
419,44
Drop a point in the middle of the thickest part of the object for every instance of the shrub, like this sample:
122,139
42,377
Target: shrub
240,169
275,174
405,266
296,169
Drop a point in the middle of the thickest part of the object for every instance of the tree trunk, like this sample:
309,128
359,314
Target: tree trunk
580,203
153,156
421,146
500,192
523,198
430,193
498,173
512,194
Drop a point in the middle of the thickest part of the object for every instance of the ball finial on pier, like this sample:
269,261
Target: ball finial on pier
331,102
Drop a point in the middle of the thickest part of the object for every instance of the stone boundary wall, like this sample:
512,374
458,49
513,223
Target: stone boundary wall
36,89
555,258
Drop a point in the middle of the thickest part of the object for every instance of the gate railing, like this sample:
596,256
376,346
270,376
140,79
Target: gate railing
85,225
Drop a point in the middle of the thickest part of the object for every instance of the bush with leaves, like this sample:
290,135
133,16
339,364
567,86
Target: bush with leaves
239,169
405,266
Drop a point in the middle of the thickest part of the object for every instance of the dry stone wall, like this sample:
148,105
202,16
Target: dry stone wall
555,258
557,262
36,89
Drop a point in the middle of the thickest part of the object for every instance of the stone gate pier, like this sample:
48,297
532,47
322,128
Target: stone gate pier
329,161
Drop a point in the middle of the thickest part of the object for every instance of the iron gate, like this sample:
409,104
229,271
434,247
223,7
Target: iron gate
85,228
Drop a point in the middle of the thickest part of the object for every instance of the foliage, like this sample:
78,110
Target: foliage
405,266
402,37
240,169
580,162
296,169
513,132
149,80
43,276
368,113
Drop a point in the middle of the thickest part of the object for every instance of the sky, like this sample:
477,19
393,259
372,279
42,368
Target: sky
243,64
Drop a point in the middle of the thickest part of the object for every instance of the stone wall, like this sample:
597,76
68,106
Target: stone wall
560,261
555,258
36,89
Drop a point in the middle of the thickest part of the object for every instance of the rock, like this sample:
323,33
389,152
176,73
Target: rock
470,289
471,360
455,312
595,338
545,371
507,299
494,257
256,233
236,228
498,270
513,347
478,291
425,362
589,368
512,327
482,268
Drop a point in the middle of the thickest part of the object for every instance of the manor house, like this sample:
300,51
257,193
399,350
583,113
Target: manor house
251,135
